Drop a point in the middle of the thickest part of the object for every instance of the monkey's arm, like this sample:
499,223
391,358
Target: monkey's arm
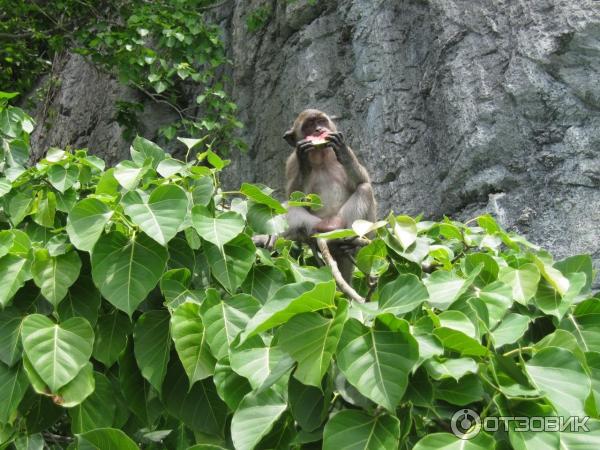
356,172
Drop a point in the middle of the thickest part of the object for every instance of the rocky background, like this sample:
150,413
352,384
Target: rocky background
456,107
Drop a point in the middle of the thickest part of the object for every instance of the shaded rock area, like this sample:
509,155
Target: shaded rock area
456,107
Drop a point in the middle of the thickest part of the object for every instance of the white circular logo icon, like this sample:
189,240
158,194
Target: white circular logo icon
465,424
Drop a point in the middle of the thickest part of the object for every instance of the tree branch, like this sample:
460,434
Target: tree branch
337,275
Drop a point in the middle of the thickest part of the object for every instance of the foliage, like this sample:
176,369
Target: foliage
137,312
165,49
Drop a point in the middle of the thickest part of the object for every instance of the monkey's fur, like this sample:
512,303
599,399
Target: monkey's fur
332,172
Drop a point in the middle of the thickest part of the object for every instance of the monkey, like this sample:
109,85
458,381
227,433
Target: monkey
331,171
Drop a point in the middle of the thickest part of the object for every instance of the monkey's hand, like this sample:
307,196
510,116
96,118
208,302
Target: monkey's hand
329,224
336,140
303,147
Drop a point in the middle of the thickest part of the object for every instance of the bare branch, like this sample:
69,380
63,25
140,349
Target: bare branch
337,275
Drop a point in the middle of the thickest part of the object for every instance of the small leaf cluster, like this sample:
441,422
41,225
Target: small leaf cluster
138,313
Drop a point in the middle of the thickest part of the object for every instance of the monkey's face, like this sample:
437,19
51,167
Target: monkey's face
309,123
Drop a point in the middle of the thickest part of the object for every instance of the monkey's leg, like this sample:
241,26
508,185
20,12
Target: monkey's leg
360,205
300,224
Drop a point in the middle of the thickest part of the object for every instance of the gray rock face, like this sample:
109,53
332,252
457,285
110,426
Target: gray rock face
456,107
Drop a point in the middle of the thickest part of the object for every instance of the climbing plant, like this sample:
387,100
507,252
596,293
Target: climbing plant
138,313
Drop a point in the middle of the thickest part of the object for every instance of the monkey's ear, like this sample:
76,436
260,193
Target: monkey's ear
289,137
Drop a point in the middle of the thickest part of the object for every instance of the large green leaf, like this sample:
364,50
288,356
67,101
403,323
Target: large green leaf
402,295
351,429
61,177
86,222
263,281
54,275
152,345
219,230
510,330
143,151
254,418
309,405
78,389
289,301
98,410
105,439
261,365
225,319
255,194
447,441
378,360
524,281
83,299
128,174
467,390
126,270
190,340
14,271
112,330
445,287
10,336
562,379
13,385
312,340
57,351
231,387
584,324
161,214
231,264
457,332
199,407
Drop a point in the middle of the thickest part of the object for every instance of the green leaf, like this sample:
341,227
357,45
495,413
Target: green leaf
169,167
576,264
263,281
260,365
83,299
497,298
199,407
231,387
225,319
562,379
264,220
288,301
126,270
489,268
86,221
190,340
308,404
312,340
371,259
78,389
29,442
219,230
152,345
447,441
142,149
444,288
524,281
128,174
46,210
461,393
402,295
112,330
54,275
160,216
457,332
14,271
351,429
174,287
57,351
13,385
378,360
96,411
405,230
62,178
10,336
254,418
105,439
255,194
451,368
510,330
231,265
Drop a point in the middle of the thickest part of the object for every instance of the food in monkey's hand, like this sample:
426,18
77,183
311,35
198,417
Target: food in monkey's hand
318,139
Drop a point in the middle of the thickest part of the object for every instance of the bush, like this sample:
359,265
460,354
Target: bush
138,312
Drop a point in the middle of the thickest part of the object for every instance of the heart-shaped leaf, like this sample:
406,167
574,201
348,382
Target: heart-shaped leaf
54,275
57,351
86,222
161,215
126,270
357,429
218,230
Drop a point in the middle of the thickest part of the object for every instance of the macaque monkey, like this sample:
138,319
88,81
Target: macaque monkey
323,164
